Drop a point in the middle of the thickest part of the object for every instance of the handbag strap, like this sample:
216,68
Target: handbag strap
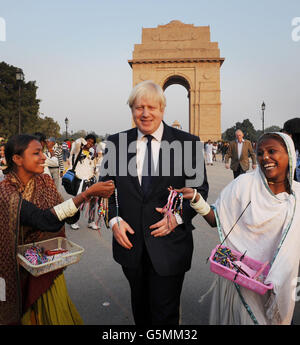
219,225
77,158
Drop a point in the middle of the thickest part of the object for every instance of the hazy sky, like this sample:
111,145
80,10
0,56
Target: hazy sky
77,53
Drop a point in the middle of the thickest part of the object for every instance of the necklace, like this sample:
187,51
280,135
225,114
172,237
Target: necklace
280,182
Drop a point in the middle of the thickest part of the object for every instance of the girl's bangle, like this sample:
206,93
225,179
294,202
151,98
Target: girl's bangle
194,196
65,210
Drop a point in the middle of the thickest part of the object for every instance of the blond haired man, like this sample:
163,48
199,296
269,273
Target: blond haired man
154,250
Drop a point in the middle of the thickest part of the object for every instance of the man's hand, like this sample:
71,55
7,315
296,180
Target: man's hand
253,166
120,234
227,165
165,226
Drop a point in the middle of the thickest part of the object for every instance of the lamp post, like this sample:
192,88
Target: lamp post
263,107
66,122
19,78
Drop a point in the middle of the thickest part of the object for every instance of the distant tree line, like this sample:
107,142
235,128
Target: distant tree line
248,129
31,120
81,134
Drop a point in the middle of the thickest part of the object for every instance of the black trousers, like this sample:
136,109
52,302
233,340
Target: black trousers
238,172
155,299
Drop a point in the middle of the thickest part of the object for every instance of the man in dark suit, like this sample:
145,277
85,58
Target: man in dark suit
154,249
239,151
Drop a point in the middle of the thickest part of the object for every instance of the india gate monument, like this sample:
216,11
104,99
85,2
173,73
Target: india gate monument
178,53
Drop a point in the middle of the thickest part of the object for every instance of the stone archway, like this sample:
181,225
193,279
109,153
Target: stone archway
179,53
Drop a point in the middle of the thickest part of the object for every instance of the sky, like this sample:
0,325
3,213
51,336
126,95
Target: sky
77,52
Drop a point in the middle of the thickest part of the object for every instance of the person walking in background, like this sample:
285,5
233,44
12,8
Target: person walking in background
54,160
292,128
41,137
214,151
223,149
209,152
65,150
86,171
239,151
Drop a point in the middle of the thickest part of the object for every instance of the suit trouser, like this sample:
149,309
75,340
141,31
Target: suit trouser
238,172
155,299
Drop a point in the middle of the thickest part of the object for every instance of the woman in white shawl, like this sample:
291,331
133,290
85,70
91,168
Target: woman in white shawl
269,229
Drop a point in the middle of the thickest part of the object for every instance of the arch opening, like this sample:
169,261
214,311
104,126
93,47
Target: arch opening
177,79
178,103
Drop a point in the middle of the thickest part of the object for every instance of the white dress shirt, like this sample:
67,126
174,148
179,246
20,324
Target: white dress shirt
240,148
141,146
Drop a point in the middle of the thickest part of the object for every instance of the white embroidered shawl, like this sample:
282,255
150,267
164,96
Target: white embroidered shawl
260,230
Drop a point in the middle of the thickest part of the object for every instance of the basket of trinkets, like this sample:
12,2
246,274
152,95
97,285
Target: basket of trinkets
49,255
240,269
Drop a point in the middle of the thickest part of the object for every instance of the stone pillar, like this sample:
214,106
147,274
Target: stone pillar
192,111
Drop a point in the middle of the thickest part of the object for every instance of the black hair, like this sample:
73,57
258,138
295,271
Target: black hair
292,127
16,145
91,136
40,136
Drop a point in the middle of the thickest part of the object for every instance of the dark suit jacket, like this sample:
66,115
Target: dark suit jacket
232,153
171,254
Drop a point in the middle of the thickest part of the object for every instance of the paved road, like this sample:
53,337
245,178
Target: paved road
100,291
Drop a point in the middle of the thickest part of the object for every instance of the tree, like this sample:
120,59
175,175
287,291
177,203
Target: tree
267,130
9,106
48,126
246,127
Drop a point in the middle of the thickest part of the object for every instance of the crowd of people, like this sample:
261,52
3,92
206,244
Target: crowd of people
153,245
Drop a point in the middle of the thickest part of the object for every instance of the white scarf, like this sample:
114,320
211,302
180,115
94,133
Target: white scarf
260,230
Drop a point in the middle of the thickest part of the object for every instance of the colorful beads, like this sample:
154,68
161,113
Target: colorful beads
175,203
35,255
103,212
224,257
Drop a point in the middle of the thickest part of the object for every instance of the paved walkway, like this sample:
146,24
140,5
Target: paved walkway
100,291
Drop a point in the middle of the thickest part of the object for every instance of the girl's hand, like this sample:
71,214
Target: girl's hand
103,189
188,193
